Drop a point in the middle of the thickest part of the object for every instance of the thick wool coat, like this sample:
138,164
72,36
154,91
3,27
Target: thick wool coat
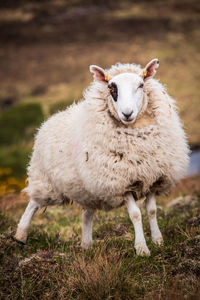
85,154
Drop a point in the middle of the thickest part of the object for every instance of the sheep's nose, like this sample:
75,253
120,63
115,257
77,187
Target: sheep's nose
127,115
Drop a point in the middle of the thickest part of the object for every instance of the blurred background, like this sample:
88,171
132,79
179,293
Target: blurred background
47,46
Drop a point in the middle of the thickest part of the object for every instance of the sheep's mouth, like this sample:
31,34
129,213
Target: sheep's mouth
128,121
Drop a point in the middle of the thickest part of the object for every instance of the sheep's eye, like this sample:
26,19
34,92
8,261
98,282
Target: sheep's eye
113,91
141,86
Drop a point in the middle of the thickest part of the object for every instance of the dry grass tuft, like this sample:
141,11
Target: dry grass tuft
98,276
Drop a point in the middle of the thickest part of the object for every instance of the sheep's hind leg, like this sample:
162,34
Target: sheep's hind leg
25,222
87,222
136,218
151,210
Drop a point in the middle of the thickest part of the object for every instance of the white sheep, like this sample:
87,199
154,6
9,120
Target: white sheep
123,141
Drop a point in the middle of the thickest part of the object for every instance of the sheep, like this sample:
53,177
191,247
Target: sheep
122,142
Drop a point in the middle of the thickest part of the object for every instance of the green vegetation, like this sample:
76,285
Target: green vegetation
17,128
59,106
18,123
16,159
52,264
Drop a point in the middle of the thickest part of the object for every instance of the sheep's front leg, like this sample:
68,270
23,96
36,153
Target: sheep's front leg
136,218
151,213
87,222
25,221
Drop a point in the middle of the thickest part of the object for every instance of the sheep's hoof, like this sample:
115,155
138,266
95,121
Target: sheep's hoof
158,241
142,249
85,245
21,236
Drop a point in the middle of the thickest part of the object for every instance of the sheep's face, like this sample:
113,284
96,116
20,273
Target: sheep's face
126,90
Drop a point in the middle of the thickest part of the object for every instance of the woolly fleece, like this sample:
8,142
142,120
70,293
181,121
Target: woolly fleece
85,154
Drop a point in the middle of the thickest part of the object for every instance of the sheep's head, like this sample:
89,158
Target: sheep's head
126,90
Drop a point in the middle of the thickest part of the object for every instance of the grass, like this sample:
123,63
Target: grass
18,125
19,122
53,265
15,158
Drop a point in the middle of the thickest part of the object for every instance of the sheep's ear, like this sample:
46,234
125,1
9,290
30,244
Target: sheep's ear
99,74
150,70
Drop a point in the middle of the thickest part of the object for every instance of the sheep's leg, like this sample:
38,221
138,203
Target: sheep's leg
25,222
136,218
151,213
87,222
